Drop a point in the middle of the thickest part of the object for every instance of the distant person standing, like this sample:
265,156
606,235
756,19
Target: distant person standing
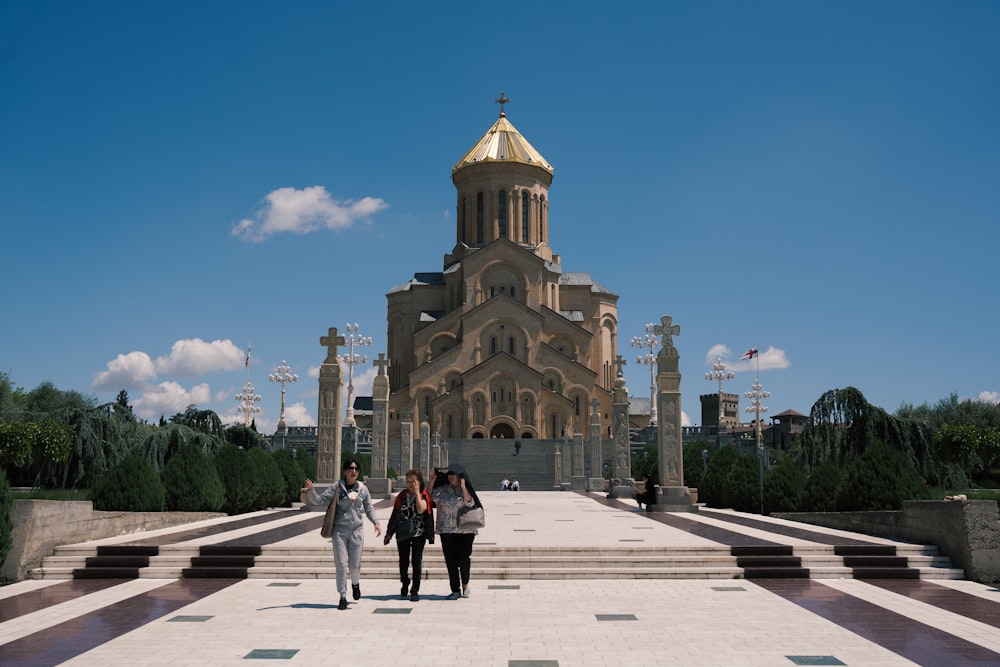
505,484
517,448
514,486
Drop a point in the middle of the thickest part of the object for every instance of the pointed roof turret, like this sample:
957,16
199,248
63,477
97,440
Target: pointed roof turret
502,143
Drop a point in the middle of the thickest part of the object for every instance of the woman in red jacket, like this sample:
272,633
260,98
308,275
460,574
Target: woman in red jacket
413,527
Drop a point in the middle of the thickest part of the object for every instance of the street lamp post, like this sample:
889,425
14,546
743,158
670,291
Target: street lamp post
353,339
652,341
719,373
284,375
755,397
248,400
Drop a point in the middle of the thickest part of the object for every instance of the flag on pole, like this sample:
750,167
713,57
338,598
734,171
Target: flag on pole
247,362
749,354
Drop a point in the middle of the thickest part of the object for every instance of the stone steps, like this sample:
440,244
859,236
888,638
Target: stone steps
380,562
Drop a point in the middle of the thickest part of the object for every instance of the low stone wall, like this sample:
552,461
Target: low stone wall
967,531
42,525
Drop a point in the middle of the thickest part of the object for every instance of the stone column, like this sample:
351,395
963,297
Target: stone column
329,413
436,451
596,481
557,459
444,454
578,480
672,495
425,449
406,442
379,484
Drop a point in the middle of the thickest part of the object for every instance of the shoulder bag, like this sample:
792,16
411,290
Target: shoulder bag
472,517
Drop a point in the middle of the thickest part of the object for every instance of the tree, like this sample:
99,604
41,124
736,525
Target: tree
192,483
133,485
842,424
784,485
245,437
880,479
205,421
713,486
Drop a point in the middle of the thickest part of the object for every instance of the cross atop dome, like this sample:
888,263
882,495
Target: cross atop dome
502,100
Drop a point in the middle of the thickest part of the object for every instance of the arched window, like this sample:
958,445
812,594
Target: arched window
524,216
493,344
479,217
502,213
510,345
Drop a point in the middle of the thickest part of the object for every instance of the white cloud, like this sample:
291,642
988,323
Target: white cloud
303,212
989,396
193,357
169,398
362,382
127,371
718,351
770,359
313,372
298,415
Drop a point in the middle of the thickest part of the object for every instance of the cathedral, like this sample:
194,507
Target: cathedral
501,342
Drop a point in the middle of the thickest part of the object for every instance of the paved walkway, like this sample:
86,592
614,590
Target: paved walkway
509,623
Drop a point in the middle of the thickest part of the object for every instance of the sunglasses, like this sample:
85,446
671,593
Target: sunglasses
352,468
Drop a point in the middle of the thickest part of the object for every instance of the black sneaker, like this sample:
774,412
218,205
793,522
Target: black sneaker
414,597
404,590
455,595
343,604
356,591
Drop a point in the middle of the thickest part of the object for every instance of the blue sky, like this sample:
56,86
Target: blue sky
180,179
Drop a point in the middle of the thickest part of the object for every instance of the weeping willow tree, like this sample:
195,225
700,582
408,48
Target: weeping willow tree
161,445
205,421
842,424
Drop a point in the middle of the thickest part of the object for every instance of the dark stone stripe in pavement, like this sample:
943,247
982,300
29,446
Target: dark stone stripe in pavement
788,531
43,598
725,536
69,639
957,602
921,643
214,529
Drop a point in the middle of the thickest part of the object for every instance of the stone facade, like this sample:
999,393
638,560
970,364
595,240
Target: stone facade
501,342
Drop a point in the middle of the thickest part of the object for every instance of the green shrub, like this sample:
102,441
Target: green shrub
881,479
242,489
292,474
6,524
713,484
784,485
192,483
270,481
742,488
820,493
306,461
133,485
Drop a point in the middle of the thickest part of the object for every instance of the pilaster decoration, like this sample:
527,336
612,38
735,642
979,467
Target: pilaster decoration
619,417
596,456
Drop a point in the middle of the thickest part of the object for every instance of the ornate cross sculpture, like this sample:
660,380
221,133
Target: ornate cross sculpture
666,329
381,362
619,361
332,341
502,100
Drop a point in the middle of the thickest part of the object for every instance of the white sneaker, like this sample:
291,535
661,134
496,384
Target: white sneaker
466,592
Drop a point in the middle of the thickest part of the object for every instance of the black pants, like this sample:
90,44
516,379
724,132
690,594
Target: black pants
414,546
457,548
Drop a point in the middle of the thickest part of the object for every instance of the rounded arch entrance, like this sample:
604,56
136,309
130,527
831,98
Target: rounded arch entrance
502,430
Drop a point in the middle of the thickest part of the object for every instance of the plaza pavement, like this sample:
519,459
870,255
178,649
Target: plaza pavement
509,622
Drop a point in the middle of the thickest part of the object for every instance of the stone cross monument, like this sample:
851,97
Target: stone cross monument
672,495
330,395
378,483
621,452
425,449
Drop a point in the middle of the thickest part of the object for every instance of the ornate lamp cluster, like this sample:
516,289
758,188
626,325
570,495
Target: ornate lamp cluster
652,341
755,397
284,375
719,373
353,339
248,400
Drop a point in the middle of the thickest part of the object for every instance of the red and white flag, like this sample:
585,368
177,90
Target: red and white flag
749,354
247,362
